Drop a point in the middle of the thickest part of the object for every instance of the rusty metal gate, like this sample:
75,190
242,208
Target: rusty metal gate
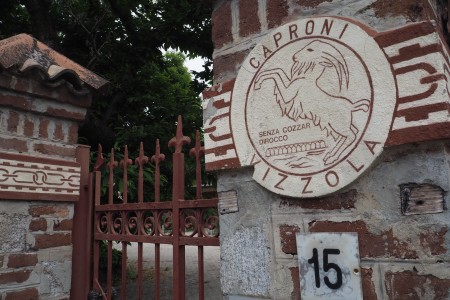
178,222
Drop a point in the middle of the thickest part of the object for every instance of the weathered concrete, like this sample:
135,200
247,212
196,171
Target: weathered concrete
402,256
13,226
252,260
245,238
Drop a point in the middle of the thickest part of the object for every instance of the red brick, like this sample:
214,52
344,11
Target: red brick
73,134
414,10
370,245
28,127
65,114
45,241
16,101
249,22
222,25
13,144
339,201
295,294
27,294
368,286
38,224
13,121
287,237
223,87
22,260
15,277
58,211
311,3
58,134
277,10
64,225
228,64
434,241
43,128
37,211
48,149
410,285
33,85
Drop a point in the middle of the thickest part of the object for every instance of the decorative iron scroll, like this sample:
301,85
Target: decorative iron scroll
128,224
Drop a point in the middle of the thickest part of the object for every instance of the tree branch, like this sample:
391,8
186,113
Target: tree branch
39,11
124,16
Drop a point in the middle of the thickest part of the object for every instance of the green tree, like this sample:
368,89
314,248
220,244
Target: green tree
117,39
122,40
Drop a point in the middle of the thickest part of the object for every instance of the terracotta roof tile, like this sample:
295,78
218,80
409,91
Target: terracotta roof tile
28,54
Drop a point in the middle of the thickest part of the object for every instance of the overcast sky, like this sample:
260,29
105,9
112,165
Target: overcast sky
195,64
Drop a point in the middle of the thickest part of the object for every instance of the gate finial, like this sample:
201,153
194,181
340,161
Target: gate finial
100,160
179,139
156,159
111,165
197,152
124,163
140,161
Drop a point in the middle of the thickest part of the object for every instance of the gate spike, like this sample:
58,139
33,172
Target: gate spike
111,165
140,161
156,159
179,140
197,152
100,159
124,163
198,149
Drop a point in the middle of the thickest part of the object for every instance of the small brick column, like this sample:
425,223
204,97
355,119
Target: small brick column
42,103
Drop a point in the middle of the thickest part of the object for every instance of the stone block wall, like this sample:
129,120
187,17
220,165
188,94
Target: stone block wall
36,250
402,256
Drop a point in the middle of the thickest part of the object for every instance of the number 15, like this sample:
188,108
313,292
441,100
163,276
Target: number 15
326,267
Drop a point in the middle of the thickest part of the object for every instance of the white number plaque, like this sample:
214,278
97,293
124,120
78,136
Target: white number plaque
329,266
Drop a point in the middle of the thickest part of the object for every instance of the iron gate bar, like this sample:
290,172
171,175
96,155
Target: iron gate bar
156,159
200,203
178,222
167,240
82,232
178,260
197,152
140,161
96,249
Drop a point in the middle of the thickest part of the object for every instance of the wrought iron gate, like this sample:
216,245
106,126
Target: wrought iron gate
178,222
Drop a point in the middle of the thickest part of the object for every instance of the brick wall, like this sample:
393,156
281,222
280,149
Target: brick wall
239,25
36,250
39,120
40,174
402,256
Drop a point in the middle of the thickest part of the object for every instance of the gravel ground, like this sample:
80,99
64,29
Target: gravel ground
211,267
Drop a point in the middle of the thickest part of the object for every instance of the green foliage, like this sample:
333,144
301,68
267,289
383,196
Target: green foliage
123,41
116,258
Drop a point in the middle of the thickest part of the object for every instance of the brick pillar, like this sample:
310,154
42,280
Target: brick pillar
39,174
404,244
